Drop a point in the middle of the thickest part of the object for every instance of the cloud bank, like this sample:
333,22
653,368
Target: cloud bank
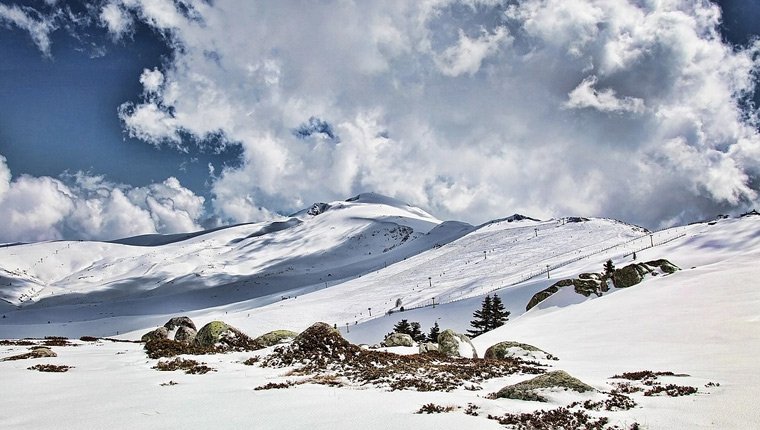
89,207
471,109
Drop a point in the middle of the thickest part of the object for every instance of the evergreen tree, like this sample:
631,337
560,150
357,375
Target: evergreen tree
609,268
434,332
498,314
415,332
402,326
482,317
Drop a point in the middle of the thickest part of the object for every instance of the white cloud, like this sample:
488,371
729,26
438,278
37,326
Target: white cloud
468,54
473,109
89,207
38,26
586,96
116,19
151,80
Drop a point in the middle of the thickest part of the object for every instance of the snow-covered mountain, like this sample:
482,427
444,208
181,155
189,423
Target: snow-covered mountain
355,264
341,259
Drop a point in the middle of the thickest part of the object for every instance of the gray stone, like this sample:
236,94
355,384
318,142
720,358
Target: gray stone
454,344
159,333
427,347
527,390
185,334
177,322
274,337
398,339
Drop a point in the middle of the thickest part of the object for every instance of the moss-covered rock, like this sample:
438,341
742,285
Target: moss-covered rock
159,333
219,334
398,339
185,334
178,322
508,349
274,337
528,390
454,344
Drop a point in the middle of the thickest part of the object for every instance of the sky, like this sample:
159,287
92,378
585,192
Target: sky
126,117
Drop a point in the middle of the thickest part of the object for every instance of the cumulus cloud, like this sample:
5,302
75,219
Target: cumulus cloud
586,96
117,20
472,109
83,206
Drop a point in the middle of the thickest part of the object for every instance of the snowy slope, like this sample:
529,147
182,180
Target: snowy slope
237,263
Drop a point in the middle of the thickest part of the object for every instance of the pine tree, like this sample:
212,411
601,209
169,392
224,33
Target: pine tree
416,332
482,317
434,332
609,268
499,315
402,326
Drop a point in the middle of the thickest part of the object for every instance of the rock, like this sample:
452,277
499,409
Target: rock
178,322
398,339
217,333
541,296
427,347
185,334
664,265
629,275
159,333
36,352
587,287
527,390
455,345
509,349
274,337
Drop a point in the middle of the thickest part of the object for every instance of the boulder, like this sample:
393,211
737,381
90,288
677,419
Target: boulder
178,322
36,352
664,265
629,275
217,333
274,337
455,345
159,333
185,334
528,390
427,347
398,339
541,296
507,349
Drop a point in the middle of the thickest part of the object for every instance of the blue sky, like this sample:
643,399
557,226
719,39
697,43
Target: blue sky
122,117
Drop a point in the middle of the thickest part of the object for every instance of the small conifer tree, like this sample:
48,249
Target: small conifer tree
609,268
416,333
499,315
482,317
434,332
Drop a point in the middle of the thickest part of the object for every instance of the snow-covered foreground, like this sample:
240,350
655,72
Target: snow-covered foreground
703,320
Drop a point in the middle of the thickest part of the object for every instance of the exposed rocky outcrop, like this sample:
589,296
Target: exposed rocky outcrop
219,334
274,337
398,339
454,344
597,283
508,349
36,352
528,390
